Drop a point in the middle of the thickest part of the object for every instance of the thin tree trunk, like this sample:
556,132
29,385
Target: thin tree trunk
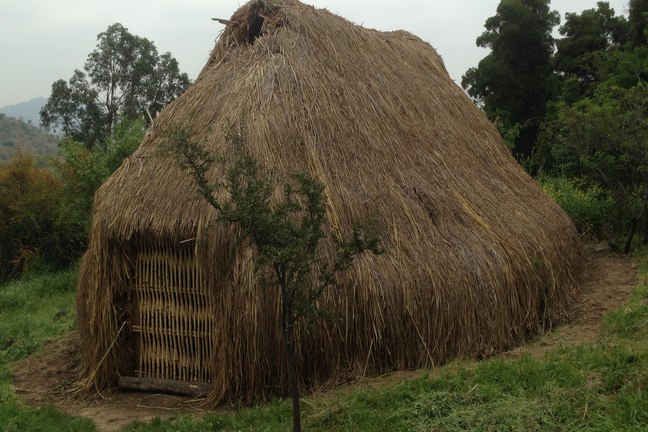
635,221
633,228
286,337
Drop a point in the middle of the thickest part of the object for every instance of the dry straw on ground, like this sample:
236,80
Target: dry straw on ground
478,260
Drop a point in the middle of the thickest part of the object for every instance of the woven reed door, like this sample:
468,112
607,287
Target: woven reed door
172,323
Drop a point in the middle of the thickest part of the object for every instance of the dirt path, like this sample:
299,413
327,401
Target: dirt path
48,377
608,283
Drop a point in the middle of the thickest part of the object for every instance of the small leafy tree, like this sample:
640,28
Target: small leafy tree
286,235
514,82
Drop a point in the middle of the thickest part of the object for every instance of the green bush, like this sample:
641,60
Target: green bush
82,171
587,206
45,210
35,227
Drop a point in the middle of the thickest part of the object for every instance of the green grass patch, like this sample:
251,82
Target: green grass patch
579,389
598,387
15,417
34,310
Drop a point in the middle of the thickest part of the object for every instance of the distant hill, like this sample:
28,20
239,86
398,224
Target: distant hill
15,133
26,111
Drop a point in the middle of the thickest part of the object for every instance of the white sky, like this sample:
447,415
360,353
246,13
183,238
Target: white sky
42,41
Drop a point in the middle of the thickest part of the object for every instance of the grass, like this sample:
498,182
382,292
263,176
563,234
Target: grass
591,387
34,310
588,388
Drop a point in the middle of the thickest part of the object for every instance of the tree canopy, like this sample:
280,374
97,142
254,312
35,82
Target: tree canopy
592,31
580,111
596,131
638,17
514,82
123,76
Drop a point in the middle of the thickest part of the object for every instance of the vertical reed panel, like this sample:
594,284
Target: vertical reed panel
174,318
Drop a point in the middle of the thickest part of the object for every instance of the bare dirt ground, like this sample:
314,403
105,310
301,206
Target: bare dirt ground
608,283
48,377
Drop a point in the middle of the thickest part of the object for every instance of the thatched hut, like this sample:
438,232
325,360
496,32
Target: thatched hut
479,258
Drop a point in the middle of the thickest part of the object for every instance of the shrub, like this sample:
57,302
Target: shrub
82,171
44,212
34,226
588,206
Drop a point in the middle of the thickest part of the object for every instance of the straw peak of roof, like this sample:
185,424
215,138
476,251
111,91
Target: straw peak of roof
320,94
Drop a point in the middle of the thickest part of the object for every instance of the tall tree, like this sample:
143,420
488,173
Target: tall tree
124,76
638,17
514,82
586,37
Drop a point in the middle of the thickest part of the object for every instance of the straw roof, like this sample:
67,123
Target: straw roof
479,258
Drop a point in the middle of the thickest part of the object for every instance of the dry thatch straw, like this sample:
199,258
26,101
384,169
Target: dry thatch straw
479,258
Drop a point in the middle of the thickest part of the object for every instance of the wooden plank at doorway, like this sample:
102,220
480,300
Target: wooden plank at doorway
195,389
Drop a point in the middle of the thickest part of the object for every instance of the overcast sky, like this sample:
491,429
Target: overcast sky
42,41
